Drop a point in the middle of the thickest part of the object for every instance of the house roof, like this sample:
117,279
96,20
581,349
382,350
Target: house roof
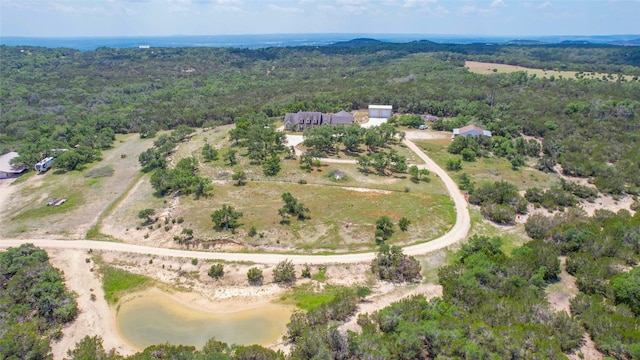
342,118
5,163
471,130
318,118
380,107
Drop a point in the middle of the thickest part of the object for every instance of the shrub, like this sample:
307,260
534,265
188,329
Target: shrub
537,226
454,164
194,261
306,272
404,223
499,213
255,277
252,231
284,273
393,265
216,271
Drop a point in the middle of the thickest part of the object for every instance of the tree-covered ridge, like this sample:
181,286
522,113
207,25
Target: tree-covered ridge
34,303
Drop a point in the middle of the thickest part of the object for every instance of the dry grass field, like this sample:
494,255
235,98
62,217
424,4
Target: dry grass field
491,68
487,169
343,213
88,195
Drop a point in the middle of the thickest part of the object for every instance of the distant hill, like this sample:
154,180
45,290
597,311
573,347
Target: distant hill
575,42
358,42
632,42
525,42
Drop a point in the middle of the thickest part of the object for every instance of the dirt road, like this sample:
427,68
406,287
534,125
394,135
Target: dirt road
458,232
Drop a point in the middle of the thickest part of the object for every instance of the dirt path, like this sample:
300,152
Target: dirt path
94,315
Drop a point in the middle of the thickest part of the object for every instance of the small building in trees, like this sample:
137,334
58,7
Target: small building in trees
308,119
6,169
380,111
471,130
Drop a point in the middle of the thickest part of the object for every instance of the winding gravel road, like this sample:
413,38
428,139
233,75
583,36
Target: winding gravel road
458,232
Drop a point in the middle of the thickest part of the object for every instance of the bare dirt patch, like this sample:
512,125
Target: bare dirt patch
94,315
559,295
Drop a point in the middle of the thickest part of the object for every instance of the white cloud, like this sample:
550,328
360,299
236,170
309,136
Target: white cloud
441,10
357,10
326,8
283,9
470,9
417,3
353,2
545,4
496,3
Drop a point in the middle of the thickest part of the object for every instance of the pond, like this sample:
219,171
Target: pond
155,317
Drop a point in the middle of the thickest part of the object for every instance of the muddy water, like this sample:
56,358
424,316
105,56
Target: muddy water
157,318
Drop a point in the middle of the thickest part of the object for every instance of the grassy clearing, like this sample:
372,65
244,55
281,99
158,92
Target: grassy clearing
89,192
342,213
487,169
341,219
310,295
492,68
40,210
117,283
512,236
104,171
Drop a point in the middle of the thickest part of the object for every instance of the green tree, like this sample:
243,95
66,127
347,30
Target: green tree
230,157
468,155
209,153
272,166
216,271
240,177
404,223
626,288
292,208
89,348
284,273
384,227
226,218
419,174
255,277
465,183
146,215
22,341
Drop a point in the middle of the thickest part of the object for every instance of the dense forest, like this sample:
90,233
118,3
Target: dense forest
34,303
65,99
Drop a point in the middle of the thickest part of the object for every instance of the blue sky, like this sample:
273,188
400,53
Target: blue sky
215,17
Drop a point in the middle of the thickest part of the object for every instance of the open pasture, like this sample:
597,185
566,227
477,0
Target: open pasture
487,169
492,68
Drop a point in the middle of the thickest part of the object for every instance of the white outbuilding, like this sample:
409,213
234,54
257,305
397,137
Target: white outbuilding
380,111
6,169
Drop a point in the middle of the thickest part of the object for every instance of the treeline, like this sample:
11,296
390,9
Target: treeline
34,303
